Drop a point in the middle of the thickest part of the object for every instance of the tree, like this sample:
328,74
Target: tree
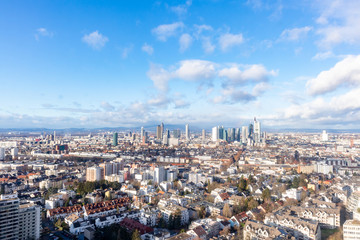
202,212
136,235
252,204
266,195
295,183
242,185
227,211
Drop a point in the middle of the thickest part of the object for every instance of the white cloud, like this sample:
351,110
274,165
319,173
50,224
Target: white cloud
179,103
163,32
147,48
260,88
323,55
126,51
207,45
336,109
199,29
338,22
95,40
43,32
345,72
185,42
295,34
159,101
195,70
256,72
107,106
228,40
159,76
181,9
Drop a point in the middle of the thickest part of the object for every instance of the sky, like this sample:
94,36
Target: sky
89,64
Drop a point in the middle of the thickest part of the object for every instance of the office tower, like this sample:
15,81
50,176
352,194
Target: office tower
115,139
244,134
29,221
225,135
221,133
176,133
237,135
159,175
2,153
54,136
203,134
187,132
142,133
257,131
9,217
158,132
162,129
251,131
94,174
324,136
215,134
231,132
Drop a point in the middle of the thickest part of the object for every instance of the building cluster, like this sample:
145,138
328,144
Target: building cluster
232,184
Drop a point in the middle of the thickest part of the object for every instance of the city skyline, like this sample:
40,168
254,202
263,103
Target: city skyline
203,63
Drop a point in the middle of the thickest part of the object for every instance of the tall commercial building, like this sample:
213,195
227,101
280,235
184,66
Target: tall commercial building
203,134
257,131
237,134
14,152
158,132
159,175
251,131
324,136
187,132
244,134
215,134
115,139
162,129
142,133
94,174
176,133
221,132
2,153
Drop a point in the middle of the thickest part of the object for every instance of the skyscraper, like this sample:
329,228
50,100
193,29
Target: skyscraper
257,131
215,134
142,133
244,134
158,132
162,129
115,139
187,132
203,134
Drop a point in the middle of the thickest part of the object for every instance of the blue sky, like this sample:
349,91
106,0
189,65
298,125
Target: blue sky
131,63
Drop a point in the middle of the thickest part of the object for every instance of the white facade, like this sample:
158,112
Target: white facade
215,134
159,174
29,221
351,230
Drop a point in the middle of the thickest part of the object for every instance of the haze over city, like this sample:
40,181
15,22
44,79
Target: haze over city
293,64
